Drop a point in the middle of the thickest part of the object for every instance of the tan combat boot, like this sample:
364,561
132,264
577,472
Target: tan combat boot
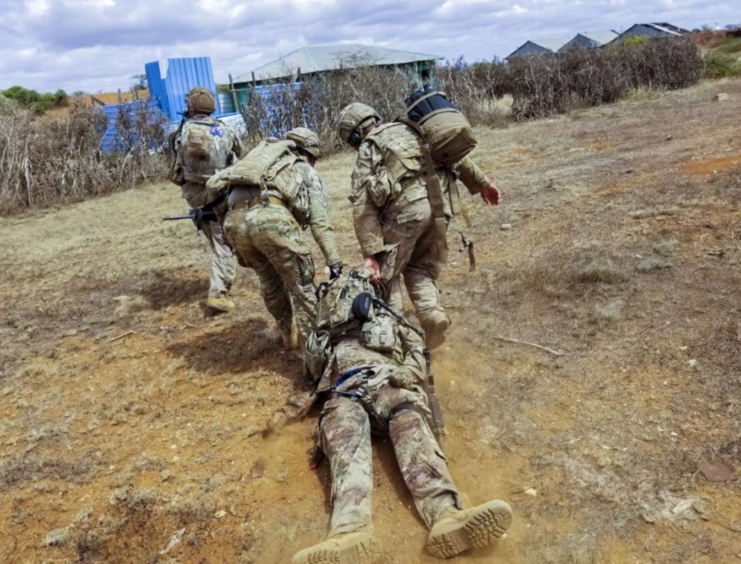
219,305
458,530
350,548
290,338
436,323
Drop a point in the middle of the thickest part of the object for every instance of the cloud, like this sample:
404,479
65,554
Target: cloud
98,45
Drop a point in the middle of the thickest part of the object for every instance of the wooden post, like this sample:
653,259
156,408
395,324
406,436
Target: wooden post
254,83
298,75
234,94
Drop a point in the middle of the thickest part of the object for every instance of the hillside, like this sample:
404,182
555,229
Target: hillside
130,424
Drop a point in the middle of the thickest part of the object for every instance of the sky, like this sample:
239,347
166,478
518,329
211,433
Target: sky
97,45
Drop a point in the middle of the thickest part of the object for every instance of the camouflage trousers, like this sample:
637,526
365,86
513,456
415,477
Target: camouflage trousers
346,440
415,256
223,261
267,239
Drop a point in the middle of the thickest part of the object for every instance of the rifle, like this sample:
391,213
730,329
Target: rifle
437,412
199,215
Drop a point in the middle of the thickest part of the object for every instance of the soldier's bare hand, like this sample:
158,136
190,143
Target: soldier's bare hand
491,195
371,262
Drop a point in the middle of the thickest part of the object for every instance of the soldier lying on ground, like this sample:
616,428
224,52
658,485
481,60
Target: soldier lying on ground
394,218
272,193
204,145
371,367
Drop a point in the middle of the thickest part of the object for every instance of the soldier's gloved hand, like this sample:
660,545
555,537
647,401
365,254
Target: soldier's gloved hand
335,270
372,262
491,195
401,378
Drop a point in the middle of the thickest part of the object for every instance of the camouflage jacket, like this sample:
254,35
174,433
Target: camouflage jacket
390,173
221,148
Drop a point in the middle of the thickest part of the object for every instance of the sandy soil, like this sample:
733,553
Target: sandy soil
130,423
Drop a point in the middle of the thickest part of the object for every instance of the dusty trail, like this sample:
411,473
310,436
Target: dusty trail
130,425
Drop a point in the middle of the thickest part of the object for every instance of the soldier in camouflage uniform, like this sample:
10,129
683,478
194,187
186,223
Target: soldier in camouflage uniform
264,225
204,145
372,367
393,216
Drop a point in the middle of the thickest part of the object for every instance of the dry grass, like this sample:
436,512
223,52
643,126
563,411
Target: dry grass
158,432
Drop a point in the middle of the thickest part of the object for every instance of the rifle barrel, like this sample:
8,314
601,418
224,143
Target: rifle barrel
177,217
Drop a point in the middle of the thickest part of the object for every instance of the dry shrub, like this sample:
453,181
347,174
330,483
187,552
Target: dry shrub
548,84
59,159
317,104
539,85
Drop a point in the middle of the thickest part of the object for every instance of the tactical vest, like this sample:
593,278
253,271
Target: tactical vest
204,148
402,150
271,167
340,315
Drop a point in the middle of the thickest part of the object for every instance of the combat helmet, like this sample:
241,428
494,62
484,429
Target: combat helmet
200,101
306,139
353,119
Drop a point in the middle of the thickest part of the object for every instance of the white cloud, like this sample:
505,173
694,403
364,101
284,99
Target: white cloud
98,44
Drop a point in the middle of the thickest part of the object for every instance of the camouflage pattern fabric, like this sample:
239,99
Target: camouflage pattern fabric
224,146
223,261
319,222
347,423
393,219
267,239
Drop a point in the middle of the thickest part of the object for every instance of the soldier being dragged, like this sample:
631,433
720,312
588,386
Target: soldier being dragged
204,145
371,367
403,198
273,192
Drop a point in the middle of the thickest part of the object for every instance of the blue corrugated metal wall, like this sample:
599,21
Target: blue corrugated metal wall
170,81
111,139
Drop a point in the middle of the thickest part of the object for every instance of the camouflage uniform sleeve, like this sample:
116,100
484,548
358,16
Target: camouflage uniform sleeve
472,176
237,147
175,174
366,216
413,370
321,226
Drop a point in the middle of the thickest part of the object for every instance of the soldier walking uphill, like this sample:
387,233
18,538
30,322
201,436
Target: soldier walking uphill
204,145
371,367
272,193
400,221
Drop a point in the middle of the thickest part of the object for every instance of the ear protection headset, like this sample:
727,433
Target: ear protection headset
355,139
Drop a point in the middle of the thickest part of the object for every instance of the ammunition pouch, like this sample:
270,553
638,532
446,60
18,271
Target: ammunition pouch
379,334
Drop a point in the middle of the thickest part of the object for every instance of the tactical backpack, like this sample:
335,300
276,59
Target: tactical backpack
444,128
198,140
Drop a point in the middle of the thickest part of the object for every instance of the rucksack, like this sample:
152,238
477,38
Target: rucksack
444,128
198,140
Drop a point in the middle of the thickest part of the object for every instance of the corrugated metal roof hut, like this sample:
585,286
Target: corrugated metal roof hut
314,60
539,47
590,40
654,30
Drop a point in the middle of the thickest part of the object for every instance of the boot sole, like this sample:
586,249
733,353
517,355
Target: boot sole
486,524
361,552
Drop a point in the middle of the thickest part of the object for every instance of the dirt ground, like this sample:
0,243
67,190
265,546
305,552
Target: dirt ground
130,425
